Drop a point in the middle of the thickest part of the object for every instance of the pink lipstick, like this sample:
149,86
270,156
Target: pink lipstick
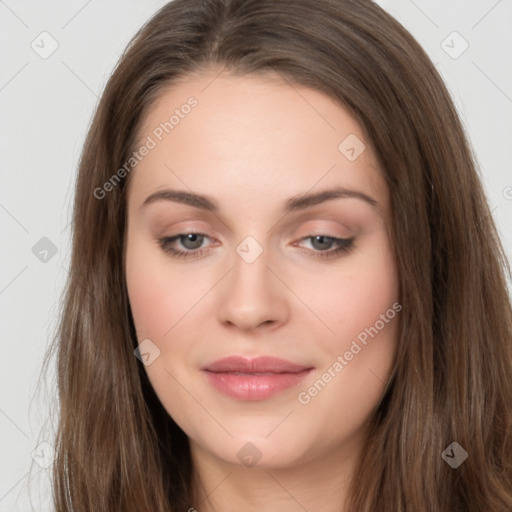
254,379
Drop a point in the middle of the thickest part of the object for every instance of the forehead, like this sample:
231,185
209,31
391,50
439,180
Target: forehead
251,137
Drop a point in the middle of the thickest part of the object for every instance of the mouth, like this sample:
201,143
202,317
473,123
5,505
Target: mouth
254,379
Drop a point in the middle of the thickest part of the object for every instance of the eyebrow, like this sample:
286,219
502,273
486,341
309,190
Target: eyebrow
295,203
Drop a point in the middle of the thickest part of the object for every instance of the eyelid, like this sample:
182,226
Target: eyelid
325,226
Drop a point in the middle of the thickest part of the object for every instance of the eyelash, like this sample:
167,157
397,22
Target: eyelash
345,245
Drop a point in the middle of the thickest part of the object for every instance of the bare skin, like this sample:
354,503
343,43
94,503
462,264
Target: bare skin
250,144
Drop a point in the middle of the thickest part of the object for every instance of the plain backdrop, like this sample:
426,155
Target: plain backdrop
46,104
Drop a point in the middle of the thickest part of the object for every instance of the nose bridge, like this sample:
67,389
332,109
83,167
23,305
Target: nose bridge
252,295
250,266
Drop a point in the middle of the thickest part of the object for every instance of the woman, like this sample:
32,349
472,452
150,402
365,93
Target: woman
213,353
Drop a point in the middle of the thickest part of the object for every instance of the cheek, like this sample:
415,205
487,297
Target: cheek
148,300
363,308
158,296
353,296
159,300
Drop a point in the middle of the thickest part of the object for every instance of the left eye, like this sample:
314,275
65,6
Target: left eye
342,245
321,240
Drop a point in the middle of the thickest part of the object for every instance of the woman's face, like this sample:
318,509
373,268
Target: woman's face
276,265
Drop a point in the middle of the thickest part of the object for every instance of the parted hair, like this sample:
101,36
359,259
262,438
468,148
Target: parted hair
117,449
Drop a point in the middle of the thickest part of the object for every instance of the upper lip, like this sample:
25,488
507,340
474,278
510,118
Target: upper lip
262,364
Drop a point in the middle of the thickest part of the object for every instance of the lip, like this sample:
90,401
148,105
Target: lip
254,379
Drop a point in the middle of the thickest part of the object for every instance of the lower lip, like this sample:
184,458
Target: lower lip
254,386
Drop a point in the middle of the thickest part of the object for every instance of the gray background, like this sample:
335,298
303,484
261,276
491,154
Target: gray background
46,105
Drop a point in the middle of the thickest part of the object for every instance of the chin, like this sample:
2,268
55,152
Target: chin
259,451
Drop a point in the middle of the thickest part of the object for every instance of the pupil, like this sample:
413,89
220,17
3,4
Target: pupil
193,239
322,240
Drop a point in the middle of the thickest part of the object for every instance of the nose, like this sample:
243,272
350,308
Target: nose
252,296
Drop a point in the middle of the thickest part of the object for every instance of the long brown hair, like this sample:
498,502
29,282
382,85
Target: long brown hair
117,448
